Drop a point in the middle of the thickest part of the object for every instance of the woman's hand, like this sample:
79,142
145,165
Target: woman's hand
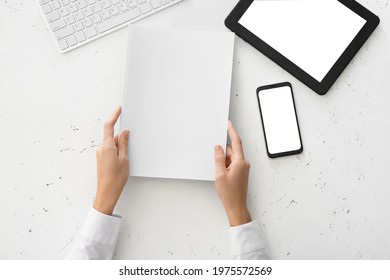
231,179
112,166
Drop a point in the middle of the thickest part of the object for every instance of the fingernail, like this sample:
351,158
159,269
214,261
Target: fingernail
127,133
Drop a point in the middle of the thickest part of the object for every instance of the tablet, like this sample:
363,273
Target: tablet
314,40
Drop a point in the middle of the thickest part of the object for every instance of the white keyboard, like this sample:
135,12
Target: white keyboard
74,23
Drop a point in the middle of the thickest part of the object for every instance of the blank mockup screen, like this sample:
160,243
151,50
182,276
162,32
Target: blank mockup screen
279,120
312,34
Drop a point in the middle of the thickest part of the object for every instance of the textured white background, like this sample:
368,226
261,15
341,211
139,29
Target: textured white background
331,202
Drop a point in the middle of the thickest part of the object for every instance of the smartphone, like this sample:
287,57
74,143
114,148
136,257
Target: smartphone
279,118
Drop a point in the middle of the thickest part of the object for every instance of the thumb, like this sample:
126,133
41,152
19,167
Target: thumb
220,162
124,145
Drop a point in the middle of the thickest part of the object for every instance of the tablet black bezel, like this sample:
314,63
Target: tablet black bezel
319,87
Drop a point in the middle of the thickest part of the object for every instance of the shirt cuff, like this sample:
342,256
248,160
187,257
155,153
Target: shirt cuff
246,238
101,228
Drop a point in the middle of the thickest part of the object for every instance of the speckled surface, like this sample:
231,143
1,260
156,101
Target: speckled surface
331,202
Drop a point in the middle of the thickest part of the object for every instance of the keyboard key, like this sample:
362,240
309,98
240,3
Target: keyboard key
69,19
87,12
58,24
43,2
114,10
46,8
96,18
82,4
80,36
118,20
90,2
90,32
64,12
78,15
78,26
63,44
114,2
64,2
155,4
71,40
145,8
55,5
164,2
123,6
106,4
105,14
87,22
73,8
64,32
133,3
96,7
53,16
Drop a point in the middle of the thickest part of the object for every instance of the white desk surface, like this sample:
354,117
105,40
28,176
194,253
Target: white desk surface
331,202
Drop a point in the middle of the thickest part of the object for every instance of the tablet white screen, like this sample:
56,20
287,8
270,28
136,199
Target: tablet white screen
312,34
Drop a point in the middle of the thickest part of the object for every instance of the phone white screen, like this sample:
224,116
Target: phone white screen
279,120
312,34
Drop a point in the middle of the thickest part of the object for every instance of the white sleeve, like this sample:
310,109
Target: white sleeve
247,242
97,238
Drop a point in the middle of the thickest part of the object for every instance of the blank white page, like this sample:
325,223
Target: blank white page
176,101
313,34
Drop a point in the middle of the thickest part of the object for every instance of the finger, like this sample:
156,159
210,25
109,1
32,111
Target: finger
220,167
116,140
229,153
236,141
124,145
110,123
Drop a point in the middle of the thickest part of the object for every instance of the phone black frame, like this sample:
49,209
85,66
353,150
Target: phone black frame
320,87
287,153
